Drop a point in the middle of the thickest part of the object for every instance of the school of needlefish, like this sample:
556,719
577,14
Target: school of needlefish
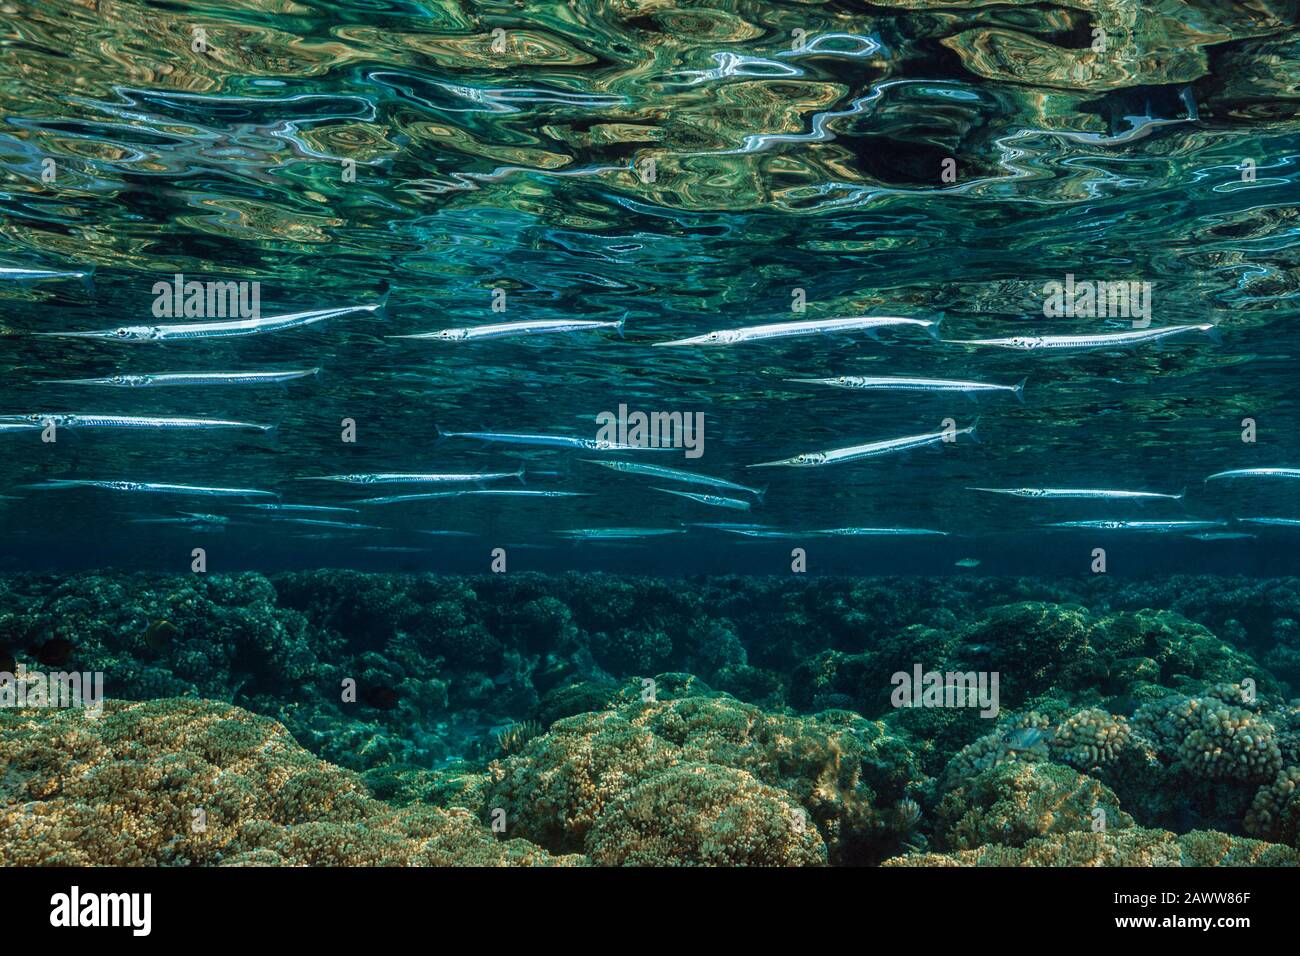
716,492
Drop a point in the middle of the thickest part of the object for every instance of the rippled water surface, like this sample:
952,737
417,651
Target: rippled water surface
686,167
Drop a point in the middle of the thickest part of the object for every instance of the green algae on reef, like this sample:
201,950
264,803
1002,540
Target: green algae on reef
1154,707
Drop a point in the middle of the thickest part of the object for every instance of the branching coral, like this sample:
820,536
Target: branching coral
1275,812
1090,739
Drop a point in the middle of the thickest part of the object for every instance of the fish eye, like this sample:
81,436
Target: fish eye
844,380
713,336
121,333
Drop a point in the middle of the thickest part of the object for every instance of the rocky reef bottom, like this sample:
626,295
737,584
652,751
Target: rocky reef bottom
696,780
343,719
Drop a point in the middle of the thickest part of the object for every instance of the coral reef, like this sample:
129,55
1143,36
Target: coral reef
1129,847
841,772
176,782
590,718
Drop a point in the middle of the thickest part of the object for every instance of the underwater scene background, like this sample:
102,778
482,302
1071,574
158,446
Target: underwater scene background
1061,459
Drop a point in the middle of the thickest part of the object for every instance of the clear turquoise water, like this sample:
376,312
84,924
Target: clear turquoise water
687,169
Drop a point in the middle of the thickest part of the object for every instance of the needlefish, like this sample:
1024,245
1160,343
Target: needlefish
716,501
504,493
504,330
163,379
1102,493
1140,525
903,384
551,441
869,450
1257,473
28,274
408,478
784,330
1027,343
152,487
217,330
675,474
76,420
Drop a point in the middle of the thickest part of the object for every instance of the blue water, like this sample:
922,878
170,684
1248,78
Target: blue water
689,171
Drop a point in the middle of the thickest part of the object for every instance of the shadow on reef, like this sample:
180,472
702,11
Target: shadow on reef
1139,721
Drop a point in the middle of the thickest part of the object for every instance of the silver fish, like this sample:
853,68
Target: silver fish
675,474
1102,493
27,274
551,441
503,492
325,523
618,533
158,379
406,478
869,450
783,330
1257,473
765,533
1140,525
77,420
1272,522
152,487
1221,536
504,330
213,330
1027,343
301,508
716,501
877,532
728,526
186,518
903,384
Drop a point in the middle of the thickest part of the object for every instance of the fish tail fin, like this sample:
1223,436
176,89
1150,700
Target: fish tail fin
1019,390
88,280
381,307
974,433
933,329
760,493
438,434
618,326
1214,335
520,475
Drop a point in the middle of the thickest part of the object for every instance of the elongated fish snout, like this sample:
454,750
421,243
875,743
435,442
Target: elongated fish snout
75,335
812,381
